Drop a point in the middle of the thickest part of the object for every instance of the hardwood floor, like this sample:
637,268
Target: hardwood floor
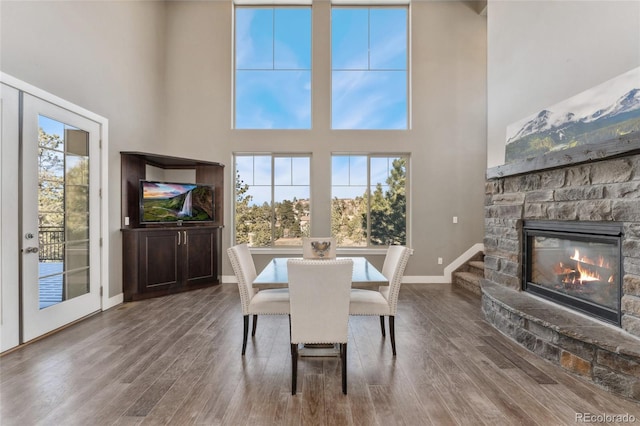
176,360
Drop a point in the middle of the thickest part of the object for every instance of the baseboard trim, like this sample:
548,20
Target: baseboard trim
113,301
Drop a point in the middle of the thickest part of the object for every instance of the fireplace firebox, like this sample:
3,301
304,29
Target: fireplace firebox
575,264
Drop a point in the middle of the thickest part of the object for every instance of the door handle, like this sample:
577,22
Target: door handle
31,250
178,237
185,237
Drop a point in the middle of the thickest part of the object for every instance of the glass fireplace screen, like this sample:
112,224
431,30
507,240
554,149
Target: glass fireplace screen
578,270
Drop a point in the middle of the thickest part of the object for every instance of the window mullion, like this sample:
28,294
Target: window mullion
273,203
369,39
369,201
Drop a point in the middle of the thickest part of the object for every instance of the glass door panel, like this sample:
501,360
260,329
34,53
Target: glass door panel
63,211
60,202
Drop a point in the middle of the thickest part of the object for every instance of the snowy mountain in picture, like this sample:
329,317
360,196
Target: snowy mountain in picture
627,103
607,111
545,120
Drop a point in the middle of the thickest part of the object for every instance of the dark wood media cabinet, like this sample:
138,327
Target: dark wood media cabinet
160,259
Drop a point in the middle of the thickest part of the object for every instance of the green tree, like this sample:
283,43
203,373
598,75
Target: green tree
243,211
286,218
253,223
338,216
388,209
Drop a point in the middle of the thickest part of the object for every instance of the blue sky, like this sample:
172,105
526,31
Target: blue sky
273,68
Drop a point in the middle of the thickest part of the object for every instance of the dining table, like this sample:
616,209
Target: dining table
365,275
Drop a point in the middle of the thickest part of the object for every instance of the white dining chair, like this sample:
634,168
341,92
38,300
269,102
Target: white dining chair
263,302
318,247
384,301
319,299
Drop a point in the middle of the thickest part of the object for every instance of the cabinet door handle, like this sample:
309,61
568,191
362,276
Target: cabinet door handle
185,237
178,237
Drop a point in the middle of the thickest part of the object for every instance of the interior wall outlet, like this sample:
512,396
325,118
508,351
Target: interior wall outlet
439,261
455,219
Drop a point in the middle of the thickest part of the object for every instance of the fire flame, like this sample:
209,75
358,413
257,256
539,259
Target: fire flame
601,262
581,273
587,275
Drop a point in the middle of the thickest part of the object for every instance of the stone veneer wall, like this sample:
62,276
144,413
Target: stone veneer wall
607,190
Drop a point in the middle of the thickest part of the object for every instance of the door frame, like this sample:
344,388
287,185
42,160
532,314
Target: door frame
14,241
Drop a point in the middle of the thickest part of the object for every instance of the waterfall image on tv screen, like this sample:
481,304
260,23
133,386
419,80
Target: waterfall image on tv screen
173,202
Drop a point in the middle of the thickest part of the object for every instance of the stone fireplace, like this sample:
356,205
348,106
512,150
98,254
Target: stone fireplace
562,262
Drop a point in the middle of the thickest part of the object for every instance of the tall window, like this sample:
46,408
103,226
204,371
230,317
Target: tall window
369,199
271,199
369,68
273,68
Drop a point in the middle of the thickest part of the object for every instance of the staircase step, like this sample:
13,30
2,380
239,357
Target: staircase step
469,281
477,267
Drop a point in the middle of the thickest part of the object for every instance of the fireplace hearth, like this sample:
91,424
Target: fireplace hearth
575,264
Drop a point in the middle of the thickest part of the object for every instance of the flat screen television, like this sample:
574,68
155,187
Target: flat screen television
166,202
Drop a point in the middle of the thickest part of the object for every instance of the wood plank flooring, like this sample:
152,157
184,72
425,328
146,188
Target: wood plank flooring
176,360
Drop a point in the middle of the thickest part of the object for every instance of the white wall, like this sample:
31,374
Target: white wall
107,57
542,52
447,142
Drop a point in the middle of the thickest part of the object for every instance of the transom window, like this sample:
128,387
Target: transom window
272,67
369,199
272,197
369,68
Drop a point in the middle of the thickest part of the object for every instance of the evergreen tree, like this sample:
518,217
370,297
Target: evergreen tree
388,209
286,218
260,233
253,223
243,211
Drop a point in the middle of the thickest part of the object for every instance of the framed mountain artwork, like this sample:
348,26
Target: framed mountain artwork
602,113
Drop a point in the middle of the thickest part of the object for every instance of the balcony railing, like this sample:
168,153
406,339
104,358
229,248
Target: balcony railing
51,242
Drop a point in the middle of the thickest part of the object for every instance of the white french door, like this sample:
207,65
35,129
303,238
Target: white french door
60,210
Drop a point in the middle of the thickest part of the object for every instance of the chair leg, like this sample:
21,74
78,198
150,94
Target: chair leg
290,333
392,333
343,355
246,332
382,325
294,368
255,324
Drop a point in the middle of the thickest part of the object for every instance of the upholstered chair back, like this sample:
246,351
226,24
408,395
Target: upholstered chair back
245,271
319,298
393,269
